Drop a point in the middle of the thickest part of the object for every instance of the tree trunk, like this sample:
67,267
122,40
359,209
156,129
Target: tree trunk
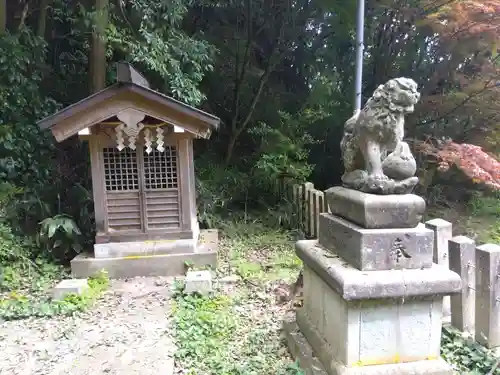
97,68
230,148
42,18
3,16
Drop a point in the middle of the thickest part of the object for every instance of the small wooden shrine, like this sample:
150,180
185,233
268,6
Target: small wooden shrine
141,148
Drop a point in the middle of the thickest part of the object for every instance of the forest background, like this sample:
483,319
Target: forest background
278,73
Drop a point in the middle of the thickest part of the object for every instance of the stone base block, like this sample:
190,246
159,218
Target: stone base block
377,249
301,350
376,211
139,248
65,287
365,320
198,282
85,265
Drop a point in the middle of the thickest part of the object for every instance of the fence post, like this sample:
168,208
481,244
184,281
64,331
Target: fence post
315,205
317,208
296,193
442,234
488,295
307,204
462,261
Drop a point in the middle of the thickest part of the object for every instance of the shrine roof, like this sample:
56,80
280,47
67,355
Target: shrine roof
130,92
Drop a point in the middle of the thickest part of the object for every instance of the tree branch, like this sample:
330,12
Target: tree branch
24,14
462,103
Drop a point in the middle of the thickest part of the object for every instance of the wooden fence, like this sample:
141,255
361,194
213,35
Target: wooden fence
476,310
306,205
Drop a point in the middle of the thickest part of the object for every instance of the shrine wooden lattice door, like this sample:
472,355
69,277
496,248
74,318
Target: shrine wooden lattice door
142,189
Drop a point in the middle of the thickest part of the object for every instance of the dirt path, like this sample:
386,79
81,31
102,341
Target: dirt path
126,333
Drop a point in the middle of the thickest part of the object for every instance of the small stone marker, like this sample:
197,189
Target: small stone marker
77,286
198,282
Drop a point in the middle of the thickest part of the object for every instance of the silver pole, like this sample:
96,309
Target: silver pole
360,47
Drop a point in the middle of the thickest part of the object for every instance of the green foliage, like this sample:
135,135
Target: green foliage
252,185
485,205
22,305
12,248
59,233
466,355
152,37
35,182
283,150
25,153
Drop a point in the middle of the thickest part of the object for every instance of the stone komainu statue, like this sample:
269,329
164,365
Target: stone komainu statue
376,159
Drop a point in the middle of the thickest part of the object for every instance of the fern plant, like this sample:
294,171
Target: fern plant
59,235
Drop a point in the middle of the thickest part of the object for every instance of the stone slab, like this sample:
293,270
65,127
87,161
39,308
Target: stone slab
373,211
462,255
353,284
301,350
198,282
377,249
487,317
123,249
368,332
85,265
65,287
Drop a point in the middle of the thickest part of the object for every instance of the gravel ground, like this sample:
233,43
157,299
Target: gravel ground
126,333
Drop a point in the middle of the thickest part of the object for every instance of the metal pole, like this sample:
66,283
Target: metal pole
360,47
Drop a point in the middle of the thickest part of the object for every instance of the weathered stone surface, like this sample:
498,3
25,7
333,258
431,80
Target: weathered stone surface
143,248
462,252
368,332
353,284
65,287
488,295
198,282
376,249
301,351
373,211
443,232
306,342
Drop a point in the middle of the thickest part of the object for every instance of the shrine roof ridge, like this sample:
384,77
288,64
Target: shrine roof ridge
113,90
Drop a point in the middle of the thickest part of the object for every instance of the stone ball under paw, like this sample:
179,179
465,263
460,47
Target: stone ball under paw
400,164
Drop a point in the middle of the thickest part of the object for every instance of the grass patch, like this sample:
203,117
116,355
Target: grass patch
26,284
16,305
258,254
236,331
221,335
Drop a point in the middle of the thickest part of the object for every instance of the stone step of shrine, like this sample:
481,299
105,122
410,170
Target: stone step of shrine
144,248
132,263
85,265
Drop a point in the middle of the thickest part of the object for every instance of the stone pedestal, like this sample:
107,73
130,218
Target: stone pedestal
152,258
364,311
